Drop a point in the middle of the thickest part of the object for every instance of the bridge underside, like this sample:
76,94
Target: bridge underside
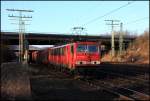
11,38
60,42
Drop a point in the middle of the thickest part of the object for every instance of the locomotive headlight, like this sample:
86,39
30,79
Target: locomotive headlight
81,62
95,62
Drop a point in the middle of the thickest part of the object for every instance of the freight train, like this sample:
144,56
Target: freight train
73,56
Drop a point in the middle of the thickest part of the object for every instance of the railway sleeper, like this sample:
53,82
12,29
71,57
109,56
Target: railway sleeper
119,97
121,91
131,93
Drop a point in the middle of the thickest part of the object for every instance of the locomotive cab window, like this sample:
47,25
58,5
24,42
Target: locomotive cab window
92,48
81,48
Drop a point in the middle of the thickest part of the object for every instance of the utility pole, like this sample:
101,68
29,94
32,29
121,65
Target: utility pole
25,44
21,30
121,39
112,37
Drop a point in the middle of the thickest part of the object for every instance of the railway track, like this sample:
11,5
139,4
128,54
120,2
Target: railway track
49,86
134,86
134,68
128,79
122,92
126,71
108,84
138,77
137,82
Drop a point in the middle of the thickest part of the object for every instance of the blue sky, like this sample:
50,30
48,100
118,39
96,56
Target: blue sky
61,16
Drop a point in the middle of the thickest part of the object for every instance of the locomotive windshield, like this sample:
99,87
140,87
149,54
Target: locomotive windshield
92,48
81,48
87,48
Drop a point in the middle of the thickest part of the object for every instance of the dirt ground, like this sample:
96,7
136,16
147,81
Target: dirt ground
35,83
15,82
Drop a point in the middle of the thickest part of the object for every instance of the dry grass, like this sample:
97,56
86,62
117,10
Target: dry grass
15,82
139,49
137,52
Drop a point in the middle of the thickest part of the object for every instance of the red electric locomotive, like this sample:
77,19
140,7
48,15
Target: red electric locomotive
76,54
71,56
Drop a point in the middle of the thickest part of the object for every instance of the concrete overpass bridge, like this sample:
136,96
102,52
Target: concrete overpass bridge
11,38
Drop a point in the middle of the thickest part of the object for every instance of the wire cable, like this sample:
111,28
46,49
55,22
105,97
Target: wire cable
108,13
136,20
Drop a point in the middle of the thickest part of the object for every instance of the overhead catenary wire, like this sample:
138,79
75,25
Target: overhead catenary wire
108,13
92,9
137,20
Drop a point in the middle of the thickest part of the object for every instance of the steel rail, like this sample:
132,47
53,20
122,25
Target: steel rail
105,88
124,76
132,94
145,84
